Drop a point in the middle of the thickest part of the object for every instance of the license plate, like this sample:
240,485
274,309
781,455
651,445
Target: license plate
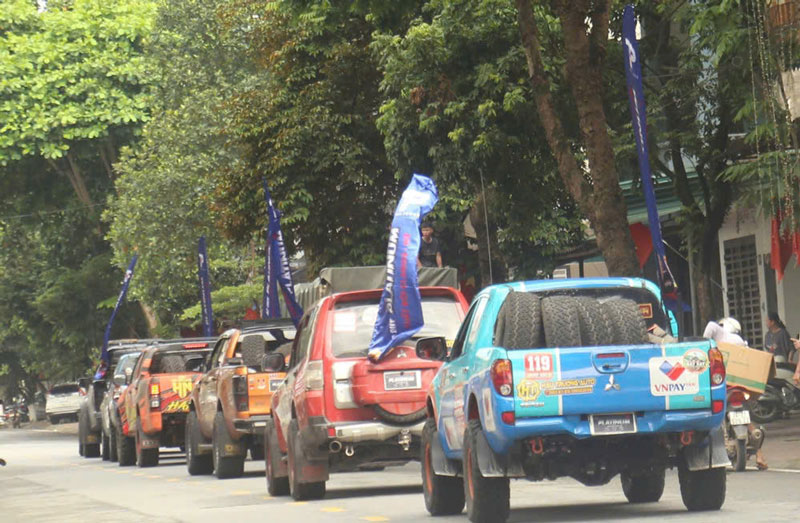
274,383
739,417
402,380
609,424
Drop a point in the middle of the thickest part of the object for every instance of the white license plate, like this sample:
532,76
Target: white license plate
611,424
739,417
402,380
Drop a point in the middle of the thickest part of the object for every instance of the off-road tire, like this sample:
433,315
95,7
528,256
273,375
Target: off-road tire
126,449
444,495
627,323
113,456
54,420
702,489
595,326
90,450
196,464
172,363
105,447
81,431
488,499
643,488
400,419
299,489
144,457
228,466
519,322
560,320
276,485
257,451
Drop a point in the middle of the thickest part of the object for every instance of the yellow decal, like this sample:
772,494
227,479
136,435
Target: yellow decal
178,406
182,386
646,309
528,390
576,386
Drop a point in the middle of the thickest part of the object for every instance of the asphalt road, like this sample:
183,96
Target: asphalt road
46,480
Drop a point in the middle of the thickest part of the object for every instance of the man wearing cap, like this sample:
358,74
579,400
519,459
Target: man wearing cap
430,255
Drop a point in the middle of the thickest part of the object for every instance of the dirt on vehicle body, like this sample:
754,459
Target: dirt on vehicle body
230,405
153,407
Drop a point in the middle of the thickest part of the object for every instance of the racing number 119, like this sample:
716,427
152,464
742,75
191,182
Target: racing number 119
538,363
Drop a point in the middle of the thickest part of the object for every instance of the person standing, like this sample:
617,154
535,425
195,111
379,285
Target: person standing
777,339
430,254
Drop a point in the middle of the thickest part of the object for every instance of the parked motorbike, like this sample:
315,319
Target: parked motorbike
740,442
780,397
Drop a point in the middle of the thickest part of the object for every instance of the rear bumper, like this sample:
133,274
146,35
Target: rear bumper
61,410
252,425
357,432
502,439
319,433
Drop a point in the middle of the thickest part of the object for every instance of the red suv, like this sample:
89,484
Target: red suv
336,410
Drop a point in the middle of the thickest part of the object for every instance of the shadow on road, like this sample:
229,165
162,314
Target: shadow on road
373,491
590,512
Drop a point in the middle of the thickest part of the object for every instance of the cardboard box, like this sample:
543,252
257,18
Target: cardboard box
747,368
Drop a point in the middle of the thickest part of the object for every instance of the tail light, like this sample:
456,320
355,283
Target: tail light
502,378
155,398
737,397
717,406
508,417
717,366
314,376
240,395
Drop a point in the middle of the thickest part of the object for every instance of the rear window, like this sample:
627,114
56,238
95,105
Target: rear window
64,389
353,323
175,360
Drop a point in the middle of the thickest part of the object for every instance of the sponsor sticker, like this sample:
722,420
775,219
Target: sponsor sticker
528,390
695,360
182,386
567,387
646,310
669,377
539,366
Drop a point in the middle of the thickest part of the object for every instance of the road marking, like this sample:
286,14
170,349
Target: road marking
153,476
241,492
173,480
138,473
332,509
790,471
297,503
375,518
266,497
122,471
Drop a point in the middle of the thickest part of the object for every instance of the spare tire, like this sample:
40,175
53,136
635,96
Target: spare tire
519,322
595,325
627,323
560,321
400,419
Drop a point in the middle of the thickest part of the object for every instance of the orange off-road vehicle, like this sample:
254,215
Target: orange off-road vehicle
230,404
154,406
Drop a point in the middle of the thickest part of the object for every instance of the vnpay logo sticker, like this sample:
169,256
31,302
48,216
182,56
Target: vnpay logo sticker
669,377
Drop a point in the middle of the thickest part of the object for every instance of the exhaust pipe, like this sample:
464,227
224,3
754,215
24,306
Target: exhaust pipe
349,451
335,446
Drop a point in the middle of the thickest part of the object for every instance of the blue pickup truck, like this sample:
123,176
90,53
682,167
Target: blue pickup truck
571,378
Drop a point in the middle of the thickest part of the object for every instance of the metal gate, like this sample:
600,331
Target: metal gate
743,289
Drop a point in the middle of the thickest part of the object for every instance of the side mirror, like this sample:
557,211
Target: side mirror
84,383
120,380
273,362
234,362
432,349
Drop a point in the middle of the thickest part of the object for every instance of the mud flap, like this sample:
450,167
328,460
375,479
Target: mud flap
494,466
710,453
442,465
740,431
313,470
149,442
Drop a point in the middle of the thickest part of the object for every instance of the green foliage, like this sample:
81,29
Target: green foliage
70,73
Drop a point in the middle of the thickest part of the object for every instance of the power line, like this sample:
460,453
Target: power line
43,213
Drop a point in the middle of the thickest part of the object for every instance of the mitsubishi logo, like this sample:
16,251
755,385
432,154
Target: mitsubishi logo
611,384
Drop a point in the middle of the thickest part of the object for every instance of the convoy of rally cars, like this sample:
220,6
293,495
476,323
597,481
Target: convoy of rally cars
535,380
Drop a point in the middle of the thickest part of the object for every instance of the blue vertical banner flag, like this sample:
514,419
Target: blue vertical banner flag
633,73
400,310
277,271
205,288
126,282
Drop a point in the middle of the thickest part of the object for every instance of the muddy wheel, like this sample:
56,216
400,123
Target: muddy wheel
112,445
444,495
126,449
299,489
277,484
105,443
196,463
702,489
225,467
646,487
144,457
487,498
400,419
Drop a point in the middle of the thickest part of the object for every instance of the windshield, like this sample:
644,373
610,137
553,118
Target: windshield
353,323
166,361
128,361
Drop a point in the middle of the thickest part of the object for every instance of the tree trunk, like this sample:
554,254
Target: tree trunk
150,317
494,271
598,196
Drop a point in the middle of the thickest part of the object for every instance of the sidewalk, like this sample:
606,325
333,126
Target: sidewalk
782,446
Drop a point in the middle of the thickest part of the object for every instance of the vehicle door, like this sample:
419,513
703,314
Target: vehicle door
207,386
128,409
455,375
300,350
